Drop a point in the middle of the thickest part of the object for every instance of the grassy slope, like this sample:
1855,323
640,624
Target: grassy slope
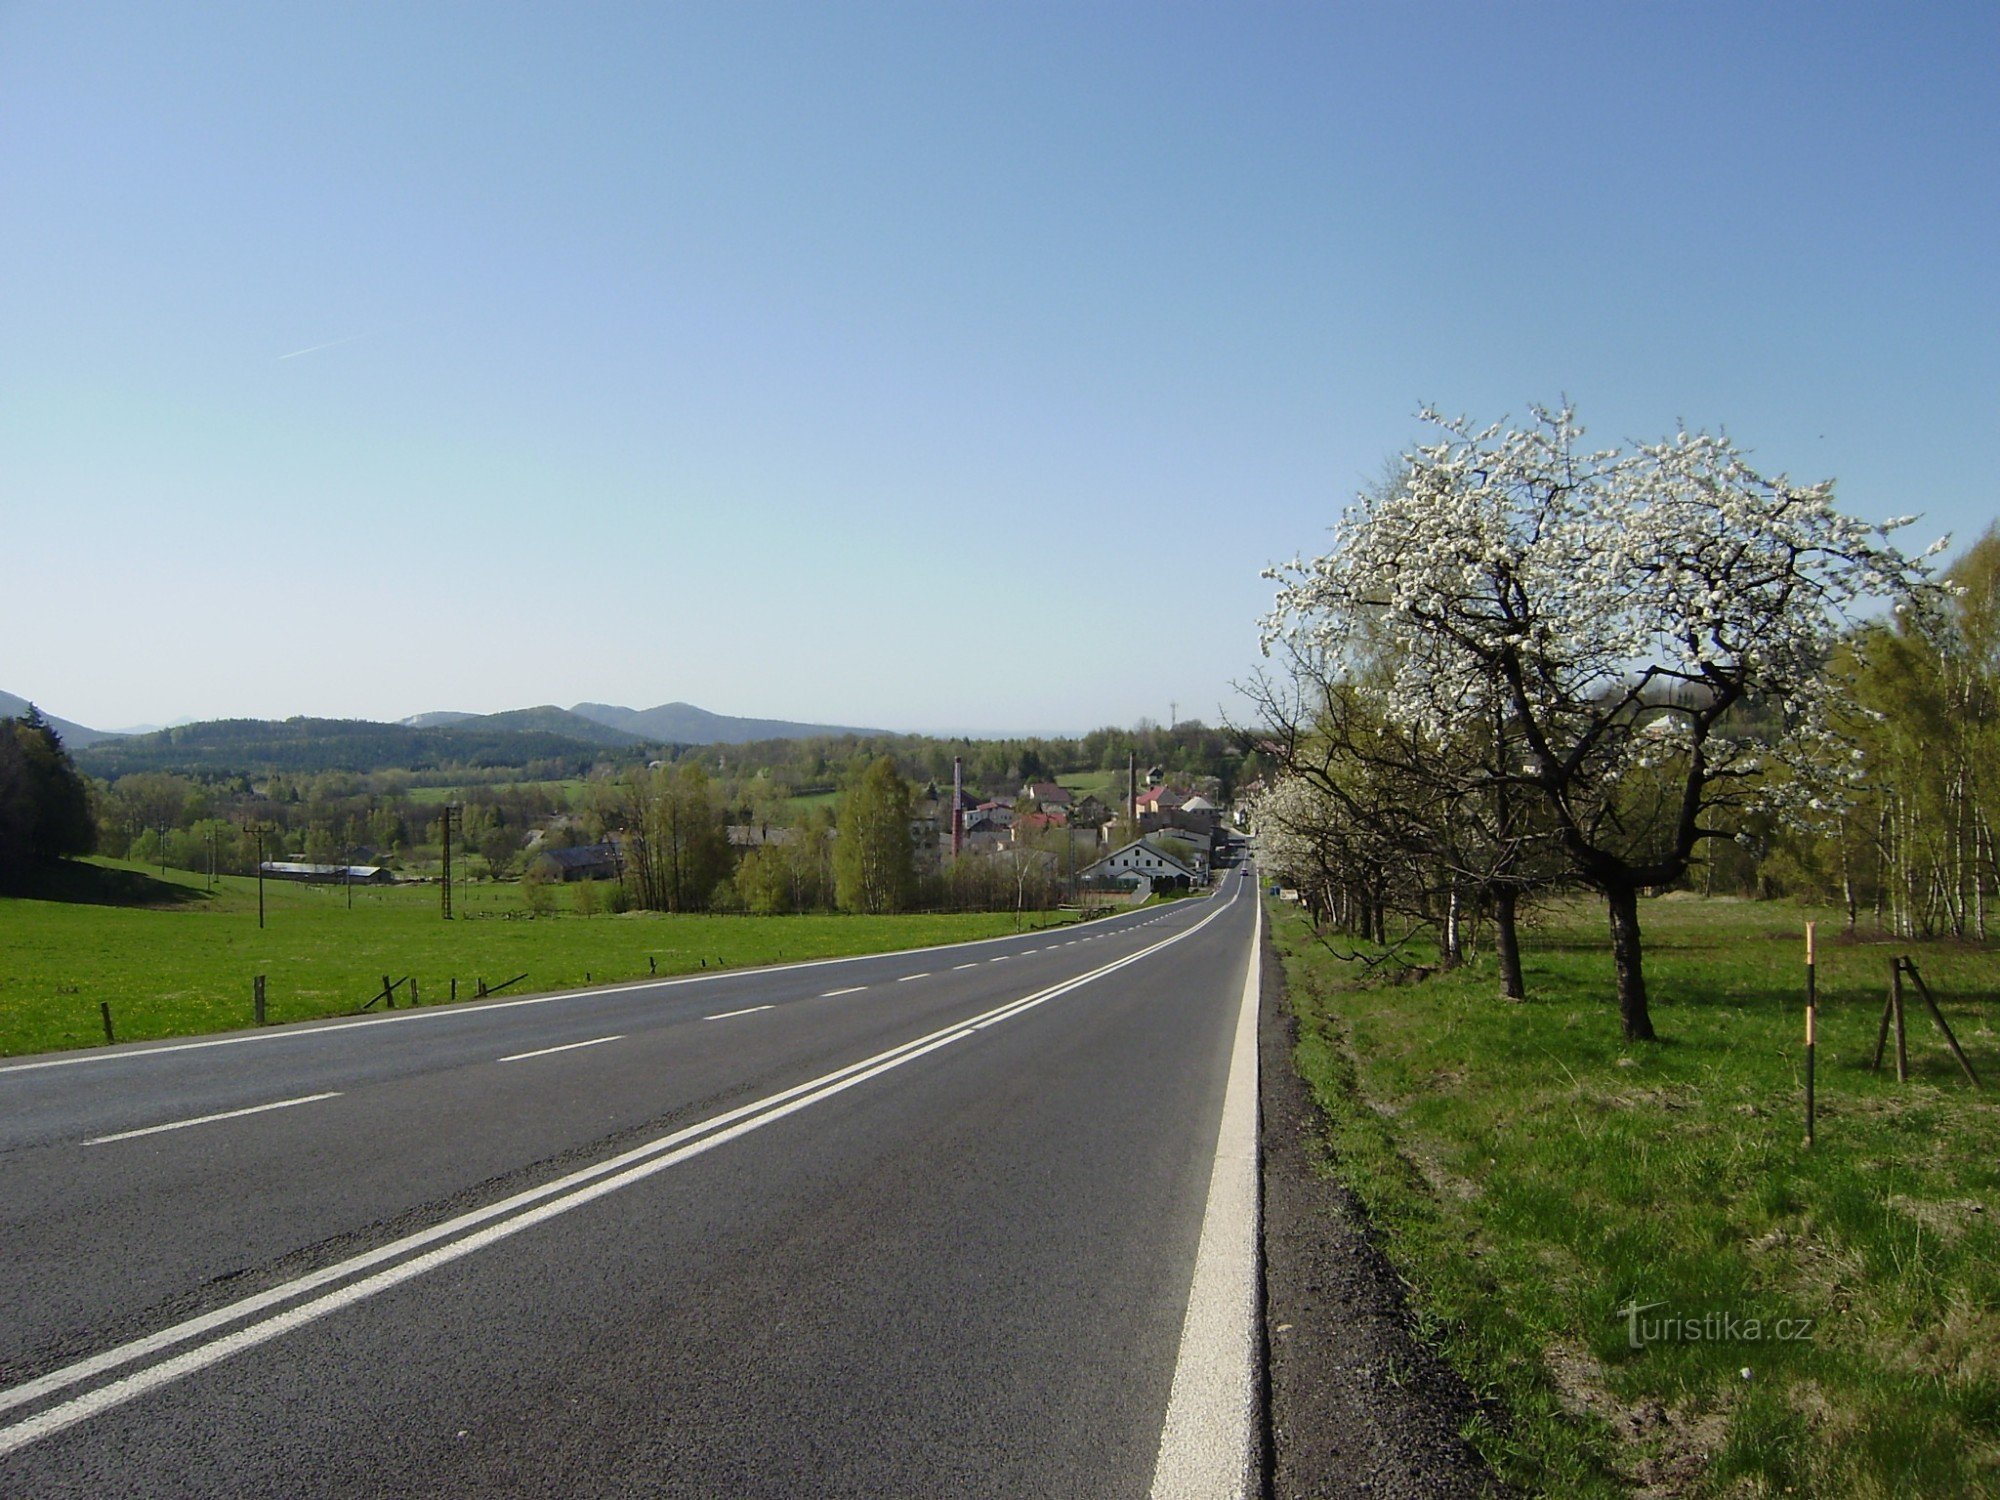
1532,1174
185,966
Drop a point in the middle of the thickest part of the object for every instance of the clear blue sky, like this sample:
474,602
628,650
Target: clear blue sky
933,365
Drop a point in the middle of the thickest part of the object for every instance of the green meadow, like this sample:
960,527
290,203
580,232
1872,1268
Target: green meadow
1627,1248
174,959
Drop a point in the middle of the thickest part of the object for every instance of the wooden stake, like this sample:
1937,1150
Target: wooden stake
1938,1016
1896,1004
104,1009
257,998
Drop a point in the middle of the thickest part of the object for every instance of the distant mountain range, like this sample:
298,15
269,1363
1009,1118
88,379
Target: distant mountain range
419,742
668,724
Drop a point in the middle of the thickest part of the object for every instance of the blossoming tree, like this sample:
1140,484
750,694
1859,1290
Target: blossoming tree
1618,613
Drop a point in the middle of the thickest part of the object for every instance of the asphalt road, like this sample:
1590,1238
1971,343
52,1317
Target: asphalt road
916,1224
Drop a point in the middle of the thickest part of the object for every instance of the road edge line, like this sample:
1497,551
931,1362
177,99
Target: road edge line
1208,1443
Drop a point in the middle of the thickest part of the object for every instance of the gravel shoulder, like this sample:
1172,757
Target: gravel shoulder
1356,1403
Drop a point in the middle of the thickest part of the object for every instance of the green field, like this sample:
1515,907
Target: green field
173,959
1535,1178
1107,786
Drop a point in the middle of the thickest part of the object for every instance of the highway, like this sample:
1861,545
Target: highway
961,1221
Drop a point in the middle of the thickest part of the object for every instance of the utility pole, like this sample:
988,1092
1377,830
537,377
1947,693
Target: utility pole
260,877
445,885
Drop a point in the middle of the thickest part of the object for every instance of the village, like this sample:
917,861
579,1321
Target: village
1160,836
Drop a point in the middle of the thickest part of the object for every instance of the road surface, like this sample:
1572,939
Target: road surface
917,1224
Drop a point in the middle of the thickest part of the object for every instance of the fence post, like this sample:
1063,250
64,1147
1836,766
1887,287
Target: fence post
104,1009
257,998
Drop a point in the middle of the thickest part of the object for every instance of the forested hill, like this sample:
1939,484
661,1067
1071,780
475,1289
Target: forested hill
685,724
74,736
260,746
548,719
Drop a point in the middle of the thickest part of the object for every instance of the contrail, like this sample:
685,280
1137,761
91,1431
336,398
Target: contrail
315,348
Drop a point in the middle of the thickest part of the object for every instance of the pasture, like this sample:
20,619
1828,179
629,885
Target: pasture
1628,1248
174,959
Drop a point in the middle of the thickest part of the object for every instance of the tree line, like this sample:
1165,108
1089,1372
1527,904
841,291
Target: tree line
670,817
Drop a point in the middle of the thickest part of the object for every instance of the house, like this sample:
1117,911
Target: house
1141,859
1047,796
1091,812
585,862
284,869
1027,825
758,835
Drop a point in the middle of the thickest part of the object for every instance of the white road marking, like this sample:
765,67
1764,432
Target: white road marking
527,1209
748,1010
1001,959
908,977
1206,1443
852,989
227,1114
955,968
596,1041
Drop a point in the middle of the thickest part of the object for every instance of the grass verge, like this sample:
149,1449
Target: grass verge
1627,1247
174,959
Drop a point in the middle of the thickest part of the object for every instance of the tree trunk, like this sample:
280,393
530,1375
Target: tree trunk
1454,944
1846,876
1623,903
1507,942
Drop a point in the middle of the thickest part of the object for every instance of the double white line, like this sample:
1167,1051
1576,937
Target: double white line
214,1336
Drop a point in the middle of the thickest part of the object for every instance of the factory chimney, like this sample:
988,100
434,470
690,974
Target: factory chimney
957,806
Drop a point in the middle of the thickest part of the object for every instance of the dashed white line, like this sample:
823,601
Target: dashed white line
746,1011
227,1114
956,967
596,1041
852,989
1000,960
908,977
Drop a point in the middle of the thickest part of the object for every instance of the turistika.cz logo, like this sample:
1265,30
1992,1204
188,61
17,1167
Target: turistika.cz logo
1707,1328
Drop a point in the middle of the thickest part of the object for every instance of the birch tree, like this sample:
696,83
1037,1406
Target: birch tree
1612,611
874,868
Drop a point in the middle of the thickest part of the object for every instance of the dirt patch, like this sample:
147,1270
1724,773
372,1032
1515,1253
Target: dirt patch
1357,1403
1664,1451
1947,1219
